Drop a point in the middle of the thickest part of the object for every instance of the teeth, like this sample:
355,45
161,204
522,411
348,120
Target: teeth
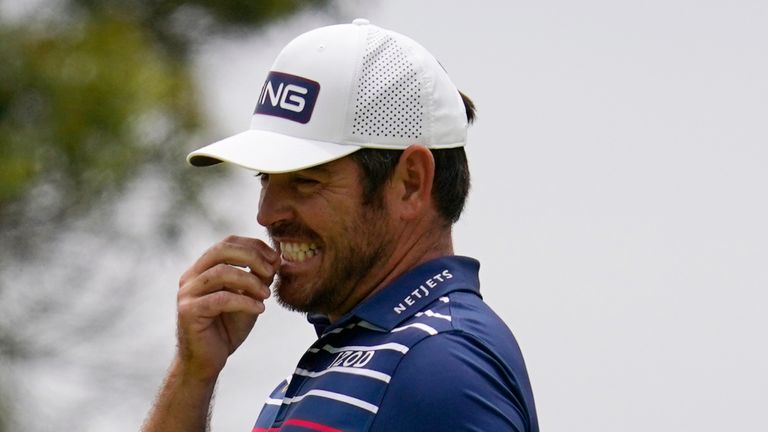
298,252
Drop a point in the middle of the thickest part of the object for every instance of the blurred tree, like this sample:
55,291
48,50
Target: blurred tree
95,97
83,110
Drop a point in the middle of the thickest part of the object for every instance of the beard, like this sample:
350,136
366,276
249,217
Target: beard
347,259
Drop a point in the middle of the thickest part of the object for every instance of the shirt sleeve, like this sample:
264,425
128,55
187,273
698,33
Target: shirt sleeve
451,381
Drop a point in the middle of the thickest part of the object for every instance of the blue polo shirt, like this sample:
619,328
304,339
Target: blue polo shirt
425,353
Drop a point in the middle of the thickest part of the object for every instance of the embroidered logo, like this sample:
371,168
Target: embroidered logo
422,290
288,96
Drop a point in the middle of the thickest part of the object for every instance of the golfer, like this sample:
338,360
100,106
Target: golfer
358,137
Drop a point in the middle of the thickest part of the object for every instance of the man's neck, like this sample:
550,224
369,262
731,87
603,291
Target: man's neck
411,250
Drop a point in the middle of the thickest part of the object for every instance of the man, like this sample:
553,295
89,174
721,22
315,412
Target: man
358,137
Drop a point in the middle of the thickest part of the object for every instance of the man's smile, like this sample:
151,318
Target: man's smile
298,252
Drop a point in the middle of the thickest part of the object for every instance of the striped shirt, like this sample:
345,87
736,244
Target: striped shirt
424,353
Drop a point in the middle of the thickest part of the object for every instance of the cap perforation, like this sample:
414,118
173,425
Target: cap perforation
388,90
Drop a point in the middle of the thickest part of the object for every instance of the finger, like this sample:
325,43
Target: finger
269,258
269,253
262,260
225,277
220,302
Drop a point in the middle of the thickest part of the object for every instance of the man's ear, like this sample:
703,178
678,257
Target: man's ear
412,182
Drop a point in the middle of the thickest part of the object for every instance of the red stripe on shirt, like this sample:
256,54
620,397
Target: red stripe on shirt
311,425
300,423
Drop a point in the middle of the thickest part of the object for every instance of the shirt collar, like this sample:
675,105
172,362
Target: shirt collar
410,293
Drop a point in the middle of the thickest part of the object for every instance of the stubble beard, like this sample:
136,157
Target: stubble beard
358,250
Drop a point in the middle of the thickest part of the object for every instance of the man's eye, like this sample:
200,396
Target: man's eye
305,181
263,177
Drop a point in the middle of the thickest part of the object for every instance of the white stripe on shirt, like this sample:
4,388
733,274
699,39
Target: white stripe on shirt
363,324
387,346
271,401
431,314
369,326
337,397
348,370
419,326
341,329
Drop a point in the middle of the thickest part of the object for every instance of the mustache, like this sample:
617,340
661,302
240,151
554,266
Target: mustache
290,229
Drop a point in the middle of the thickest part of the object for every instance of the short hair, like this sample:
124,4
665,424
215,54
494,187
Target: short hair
450,186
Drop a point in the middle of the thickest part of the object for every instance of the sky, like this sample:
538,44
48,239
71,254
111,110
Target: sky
618,203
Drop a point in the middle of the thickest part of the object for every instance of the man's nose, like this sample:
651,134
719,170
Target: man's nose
274,204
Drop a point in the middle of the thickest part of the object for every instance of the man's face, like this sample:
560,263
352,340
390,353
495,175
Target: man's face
328,239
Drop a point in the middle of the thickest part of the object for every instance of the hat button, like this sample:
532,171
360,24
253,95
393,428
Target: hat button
361,21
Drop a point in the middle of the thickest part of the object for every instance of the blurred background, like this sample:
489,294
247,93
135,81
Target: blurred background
618,205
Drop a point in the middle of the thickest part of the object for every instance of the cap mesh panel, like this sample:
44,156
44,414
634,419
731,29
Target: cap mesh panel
388,102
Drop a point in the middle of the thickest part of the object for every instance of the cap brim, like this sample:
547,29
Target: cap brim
269,152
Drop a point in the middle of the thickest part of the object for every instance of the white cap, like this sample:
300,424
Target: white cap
337,89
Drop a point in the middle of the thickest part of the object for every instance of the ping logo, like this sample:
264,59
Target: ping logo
288,96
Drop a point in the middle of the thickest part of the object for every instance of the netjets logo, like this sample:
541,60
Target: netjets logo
288,96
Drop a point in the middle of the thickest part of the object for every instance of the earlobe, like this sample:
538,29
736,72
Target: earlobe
413,178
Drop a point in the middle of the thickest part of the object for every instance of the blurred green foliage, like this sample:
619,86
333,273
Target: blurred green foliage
96,92
94,96
82,110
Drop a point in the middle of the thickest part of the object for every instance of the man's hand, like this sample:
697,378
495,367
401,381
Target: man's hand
218,303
